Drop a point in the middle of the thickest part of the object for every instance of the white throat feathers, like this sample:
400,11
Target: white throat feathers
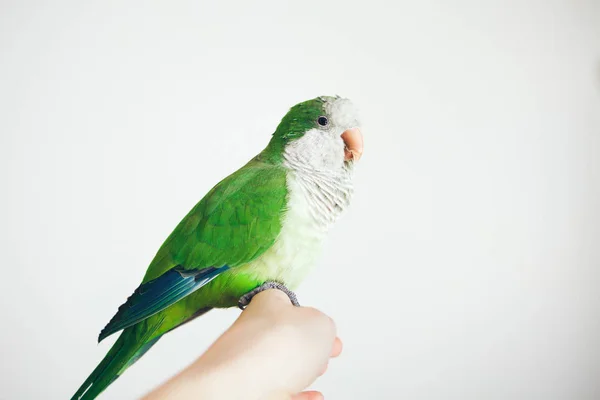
319,173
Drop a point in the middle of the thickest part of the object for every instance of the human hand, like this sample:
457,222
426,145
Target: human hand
273,351
291,345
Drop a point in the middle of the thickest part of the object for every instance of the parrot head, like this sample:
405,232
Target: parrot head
321,134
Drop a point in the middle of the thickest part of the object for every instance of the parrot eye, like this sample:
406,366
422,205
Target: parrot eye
323,121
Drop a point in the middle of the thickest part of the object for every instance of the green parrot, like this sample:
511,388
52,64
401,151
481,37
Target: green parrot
261,227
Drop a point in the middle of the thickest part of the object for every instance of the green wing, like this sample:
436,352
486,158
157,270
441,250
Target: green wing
232,225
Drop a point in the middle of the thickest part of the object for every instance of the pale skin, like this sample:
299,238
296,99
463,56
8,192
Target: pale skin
273,351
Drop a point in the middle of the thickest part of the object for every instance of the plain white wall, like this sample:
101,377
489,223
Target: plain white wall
467,267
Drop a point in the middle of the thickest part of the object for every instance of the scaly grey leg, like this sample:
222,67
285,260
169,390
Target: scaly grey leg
245,299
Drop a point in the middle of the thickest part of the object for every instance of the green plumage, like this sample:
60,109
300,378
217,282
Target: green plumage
235,223
232,225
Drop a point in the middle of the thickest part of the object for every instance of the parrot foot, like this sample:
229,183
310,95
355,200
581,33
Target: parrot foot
245,299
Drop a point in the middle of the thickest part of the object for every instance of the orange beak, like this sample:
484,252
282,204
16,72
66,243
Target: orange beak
354,144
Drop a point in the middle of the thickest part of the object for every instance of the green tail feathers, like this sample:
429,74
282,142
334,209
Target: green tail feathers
133,343
125,352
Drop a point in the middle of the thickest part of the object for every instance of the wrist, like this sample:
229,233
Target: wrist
234,366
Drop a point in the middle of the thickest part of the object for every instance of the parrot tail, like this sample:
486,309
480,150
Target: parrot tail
128,348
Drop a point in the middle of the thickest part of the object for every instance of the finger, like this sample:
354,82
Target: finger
309,395
337,347
273,296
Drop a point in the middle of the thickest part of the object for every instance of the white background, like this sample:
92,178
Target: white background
467,266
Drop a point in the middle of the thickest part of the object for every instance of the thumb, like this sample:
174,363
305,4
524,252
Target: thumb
309,395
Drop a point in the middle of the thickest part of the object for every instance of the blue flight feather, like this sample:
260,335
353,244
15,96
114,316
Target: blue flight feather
158,294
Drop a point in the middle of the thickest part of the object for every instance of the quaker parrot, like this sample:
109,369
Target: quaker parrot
261,227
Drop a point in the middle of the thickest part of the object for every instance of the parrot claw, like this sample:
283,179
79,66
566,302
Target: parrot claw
245,299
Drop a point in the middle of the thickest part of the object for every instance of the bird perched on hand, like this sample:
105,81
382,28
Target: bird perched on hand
261,227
